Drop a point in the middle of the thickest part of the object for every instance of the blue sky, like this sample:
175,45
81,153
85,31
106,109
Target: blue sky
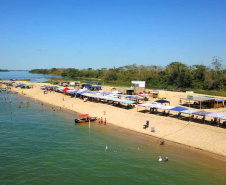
107,33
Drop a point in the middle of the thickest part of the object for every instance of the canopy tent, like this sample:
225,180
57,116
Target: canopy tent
144,105
216,115
201,113
66,89
87,94
96,86
60,88
81,92
95,96
162,101
125,96
128,96
219,101
104,93
116,92
129,102
144,95
178,108
223,118
117,99
137,97
73,92
189,111
166,107
157,106
199,98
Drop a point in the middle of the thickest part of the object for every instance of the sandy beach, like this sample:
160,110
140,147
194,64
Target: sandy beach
168,128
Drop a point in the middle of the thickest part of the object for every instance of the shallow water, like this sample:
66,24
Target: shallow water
46,147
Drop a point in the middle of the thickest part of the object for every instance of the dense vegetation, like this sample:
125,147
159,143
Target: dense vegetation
4,70
175,76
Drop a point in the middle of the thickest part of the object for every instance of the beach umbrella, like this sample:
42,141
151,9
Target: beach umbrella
201,113
188,111
84,115
216,115
178,108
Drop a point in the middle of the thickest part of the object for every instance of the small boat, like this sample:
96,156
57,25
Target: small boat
85,118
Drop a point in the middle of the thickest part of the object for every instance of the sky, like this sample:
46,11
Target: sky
97,34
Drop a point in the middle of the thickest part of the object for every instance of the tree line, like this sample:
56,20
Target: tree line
174,76
4,70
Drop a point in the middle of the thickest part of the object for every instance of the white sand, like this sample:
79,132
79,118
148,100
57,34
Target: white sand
196,135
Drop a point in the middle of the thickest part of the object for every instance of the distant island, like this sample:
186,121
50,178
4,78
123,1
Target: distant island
4,70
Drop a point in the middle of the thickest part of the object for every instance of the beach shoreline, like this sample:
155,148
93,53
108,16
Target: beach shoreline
191,135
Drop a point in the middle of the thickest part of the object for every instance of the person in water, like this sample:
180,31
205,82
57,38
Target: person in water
160,159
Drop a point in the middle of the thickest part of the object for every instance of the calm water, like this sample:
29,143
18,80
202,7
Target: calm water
25,75
45,147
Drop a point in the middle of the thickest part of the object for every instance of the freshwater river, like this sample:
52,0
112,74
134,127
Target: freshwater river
46,147
25,75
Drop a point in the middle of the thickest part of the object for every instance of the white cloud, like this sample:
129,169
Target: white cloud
43,49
